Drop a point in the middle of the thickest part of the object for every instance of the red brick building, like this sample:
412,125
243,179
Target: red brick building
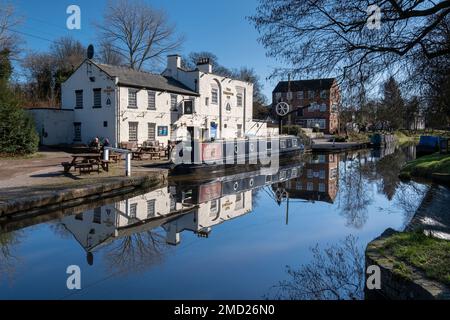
317,103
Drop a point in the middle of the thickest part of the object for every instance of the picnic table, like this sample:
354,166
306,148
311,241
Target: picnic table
85,162
152,151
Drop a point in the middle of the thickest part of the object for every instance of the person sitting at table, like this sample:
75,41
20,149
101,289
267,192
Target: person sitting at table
106,143
95,144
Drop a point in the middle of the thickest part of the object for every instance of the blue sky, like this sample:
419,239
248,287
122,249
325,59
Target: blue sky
220,27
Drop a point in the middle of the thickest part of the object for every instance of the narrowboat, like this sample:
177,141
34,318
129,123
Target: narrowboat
244,153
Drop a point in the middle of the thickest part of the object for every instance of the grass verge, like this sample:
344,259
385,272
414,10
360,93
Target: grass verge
428,254
424,167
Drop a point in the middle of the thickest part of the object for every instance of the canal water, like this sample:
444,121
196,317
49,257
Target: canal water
297,232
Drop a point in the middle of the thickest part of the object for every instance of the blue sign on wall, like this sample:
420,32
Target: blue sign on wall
213,130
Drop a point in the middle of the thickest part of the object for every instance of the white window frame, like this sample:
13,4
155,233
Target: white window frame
214,96
151,100
240,100
131,93
79,97
96,91
130,124
151,204
173,102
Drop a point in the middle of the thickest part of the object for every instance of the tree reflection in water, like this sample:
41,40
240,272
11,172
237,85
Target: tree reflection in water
135,253
409,197
335,273
354,192
8,260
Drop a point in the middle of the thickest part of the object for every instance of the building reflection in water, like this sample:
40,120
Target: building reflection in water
180,207
318,180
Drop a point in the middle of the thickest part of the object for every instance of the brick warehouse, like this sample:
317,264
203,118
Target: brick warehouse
317,103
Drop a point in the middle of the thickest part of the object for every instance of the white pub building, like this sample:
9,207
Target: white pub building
125,105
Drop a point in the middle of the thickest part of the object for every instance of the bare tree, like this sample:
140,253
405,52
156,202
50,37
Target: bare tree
107,54
8,20
40,69
8,261
68,52
336,36
335,273
47,71
141,34
190,62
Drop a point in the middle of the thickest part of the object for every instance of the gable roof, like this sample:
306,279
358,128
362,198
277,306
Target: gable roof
298,85
142,79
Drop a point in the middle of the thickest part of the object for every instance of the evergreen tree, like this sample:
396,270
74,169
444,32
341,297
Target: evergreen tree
17,132
392,109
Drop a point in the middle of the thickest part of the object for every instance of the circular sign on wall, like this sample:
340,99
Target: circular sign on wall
282,109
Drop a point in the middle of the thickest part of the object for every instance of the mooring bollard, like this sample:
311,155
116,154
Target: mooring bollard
128,165
106,154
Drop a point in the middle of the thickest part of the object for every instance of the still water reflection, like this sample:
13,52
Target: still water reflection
251,235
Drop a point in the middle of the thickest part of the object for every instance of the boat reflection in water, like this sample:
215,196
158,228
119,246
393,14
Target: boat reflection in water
179,207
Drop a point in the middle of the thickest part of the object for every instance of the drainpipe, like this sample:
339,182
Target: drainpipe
244,127
116,81
220,111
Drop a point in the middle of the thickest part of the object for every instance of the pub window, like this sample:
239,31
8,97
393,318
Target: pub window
79,99
133,211
311,94
300,95
215,96
151,100
214,208
239,100
97,98
173,102
152,131
97,215
151,208
132,98
133,131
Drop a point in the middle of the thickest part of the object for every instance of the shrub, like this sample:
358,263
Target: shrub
17,131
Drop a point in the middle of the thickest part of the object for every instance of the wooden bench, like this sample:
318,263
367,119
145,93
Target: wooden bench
67,166
137,155
115,157
85,168
105,165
